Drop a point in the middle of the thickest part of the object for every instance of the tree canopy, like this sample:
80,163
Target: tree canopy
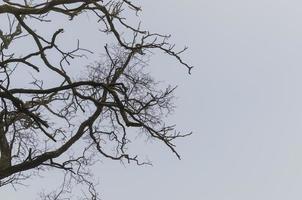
66,121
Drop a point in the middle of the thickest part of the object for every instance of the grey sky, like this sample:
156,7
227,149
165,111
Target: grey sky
243,103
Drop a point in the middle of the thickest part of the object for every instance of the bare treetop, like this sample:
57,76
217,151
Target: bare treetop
40,126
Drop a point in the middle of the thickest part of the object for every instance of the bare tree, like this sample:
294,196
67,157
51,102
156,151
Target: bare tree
69,122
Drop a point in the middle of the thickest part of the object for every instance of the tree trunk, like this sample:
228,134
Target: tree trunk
5,157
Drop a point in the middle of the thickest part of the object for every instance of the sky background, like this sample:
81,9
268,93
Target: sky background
243,103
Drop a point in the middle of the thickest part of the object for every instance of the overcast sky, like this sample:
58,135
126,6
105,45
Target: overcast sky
243,102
